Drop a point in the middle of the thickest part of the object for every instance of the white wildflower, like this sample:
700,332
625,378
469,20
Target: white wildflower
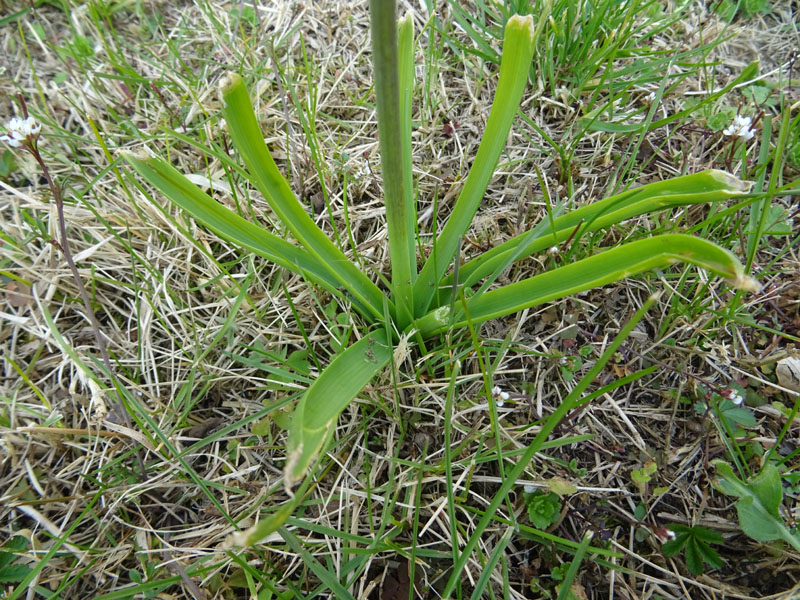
20,131
650,97
735,397
671,534
500,404
500,396
529,489
740,128
14,143
554,250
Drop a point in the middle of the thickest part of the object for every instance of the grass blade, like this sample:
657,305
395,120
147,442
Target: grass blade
324,575
565,591
488,568
593,124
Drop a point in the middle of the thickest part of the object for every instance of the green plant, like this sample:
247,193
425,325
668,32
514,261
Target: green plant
760,498
10,572
544,508
7,164
695,542
641,477
79,48
415,306
730,9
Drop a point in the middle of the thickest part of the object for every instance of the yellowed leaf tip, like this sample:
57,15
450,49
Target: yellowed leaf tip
135,154
292,460
523,23
238,539
227,82
732,182
745,282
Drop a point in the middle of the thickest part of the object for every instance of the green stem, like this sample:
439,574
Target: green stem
390,137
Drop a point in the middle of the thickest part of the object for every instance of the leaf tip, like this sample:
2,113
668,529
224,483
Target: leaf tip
237,539
524,24
734,184
228,82
131,156
746,283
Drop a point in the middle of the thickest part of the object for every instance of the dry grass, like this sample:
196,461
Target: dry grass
163,290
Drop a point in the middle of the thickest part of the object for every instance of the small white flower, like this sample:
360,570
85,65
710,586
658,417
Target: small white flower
20,131
671,534
500,404
554,250
740,128
13,142
496,391
650,97
529,489
504,396
735,397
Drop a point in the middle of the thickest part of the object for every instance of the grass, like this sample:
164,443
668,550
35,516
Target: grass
210,346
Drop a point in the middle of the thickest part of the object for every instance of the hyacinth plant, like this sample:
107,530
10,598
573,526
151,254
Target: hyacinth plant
417,305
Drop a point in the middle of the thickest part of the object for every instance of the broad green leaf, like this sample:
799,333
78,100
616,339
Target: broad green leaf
316,413
737,415
594,271
518,45
695,540
16,544
778,221
698,188
13,573
227,224
766,486
758,503
544,508
247,137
